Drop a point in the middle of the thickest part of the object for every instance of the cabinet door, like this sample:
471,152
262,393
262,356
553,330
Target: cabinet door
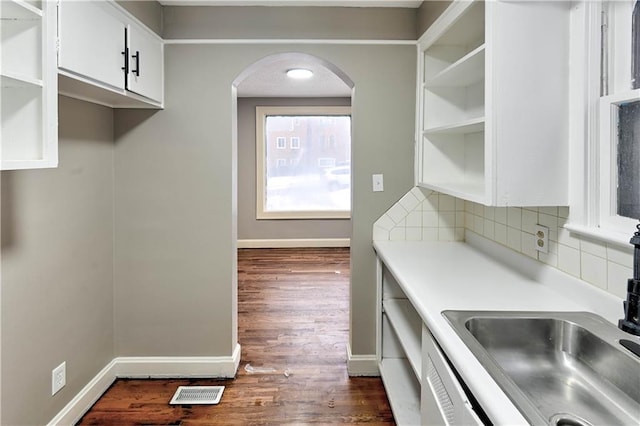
145,64
92,40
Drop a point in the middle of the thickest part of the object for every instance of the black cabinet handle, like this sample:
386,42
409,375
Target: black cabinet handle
136,71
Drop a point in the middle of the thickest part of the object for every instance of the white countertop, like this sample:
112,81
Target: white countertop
438,276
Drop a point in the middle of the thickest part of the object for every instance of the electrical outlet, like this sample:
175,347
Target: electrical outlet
58,378
542,238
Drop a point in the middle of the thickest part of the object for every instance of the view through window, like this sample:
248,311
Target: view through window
304,162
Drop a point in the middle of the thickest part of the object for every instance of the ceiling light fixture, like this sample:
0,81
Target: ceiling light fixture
299,73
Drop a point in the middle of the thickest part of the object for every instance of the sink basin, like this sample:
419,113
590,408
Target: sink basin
558,368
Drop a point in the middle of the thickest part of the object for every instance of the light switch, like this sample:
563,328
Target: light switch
378,183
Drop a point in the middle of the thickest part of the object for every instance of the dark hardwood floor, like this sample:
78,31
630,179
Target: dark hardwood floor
293,314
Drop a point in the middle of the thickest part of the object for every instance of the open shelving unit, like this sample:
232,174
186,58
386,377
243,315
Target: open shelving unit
400,360
493,103
28,85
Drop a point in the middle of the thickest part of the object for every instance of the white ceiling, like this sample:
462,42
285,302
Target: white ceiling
326,3
270,79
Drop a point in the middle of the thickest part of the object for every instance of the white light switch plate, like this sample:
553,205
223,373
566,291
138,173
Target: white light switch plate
378,183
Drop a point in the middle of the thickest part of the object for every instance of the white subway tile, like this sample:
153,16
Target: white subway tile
380,234
489,229
431,203
621,256
553,211
514,239
409,201
459,234
447,220
413,233
569,260
479,224
460,205
567,238
514,217
430,219
429,234
594,269
550,259
460,219
446,203
593,247
385,222
414,218
397,212
446,234
501,215
617,277
563,212
501,234
398,234
478,209
490,213
468,206
420,194
529,221
469,221
529,245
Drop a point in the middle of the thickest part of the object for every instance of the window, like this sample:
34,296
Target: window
303,182
611,207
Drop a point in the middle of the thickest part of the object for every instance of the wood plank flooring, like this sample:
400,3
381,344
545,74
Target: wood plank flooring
293,314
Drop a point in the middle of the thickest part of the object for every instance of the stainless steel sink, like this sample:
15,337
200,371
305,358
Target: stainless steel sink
558,368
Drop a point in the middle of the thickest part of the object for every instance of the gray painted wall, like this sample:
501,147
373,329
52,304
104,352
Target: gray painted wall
248,226
57,268
428,12
147,11
176,208
289,23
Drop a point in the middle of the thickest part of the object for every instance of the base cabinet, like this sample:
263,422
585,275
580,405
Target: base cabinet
421,386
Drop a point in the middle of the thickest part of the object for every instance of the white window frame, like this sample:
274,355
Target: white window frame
282,145
261,113
295,145
593,123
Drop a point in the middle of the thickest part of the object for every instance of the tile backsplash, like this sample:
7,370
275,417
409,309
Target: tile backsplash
430,216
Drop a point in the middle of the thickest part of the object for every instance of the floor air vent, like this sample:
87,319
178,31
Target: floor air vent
187,395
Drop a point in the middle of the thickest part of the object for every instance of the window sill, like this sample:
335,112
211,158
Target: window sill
619,239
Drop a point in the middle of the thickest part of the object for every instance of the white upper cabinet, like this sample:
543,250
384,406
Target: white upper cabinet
92,42
493,103
145,64
108,57
29,112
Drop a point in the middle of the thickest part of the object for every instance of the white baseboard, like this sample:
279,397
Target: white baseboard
174,367
361,365
295,243
80,404
145,367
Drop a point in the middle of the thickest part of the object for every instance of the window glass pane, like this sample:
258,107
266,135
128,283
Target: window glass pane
629,160
309,174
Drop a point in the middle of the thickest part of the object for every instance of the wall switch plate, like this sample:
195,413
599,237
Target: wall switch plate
542,238
378,183
58,378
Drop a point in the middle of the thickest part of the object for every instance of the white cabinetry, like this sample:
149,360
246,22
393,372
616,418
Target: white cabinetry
108,57
29,137
493,103
420,385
